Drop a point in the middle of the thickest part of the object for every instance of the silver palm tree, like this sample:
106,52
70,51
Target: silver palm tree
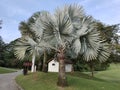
58,31
27,45
29,34
69,26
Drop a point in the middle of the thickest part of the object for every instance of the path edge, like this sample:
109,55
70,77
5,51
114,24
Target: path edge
18,86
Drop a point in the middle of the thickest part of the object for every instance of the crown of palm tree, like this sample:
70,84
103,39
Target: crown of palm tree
70,25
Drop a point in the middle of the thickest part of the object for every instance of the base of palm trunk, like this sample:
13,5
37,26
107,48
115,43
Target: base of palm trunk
62,82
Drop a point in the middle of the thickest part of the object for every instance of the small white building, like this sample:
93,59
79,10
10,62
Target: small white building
53,66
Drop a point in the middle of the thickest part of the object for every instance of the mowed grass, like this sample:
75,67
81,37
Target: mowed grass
6,70
105,80
111,75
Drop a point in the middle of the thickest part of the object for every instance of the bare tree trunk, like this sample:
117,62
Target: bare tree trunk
33,63
62,81
72,69
92,68
92,71
44,69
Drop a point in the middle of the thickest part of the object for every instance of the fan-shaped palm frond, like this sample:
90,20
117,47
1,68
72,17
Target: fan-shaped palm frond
24,28
44,27
76,47
63,21
37,26
75,12
33,18
64,27
104,52
20,52
65,18
26,45
90,45
84,26
58,27
89,38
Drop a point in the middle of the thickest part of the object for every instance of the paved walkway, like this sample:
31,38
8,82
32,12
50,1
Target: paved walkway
7,81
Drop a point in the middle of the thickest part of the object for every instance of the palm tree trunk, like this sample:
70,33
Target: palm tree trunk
92,68
33,63
44,69
62,81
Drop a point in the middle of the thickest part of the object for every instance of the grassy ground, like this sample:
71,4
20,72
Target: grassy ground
105,80
6,70
112,74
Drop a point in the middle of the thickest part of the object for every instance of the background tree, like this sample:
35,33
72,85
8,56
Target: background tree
109,32
2,47
8,59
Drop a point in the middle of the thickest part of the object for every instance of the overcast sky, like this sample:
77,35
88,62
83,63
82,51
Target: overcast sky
12,12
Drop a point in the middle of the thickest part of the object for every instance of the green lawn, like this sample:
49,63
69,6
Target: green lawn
6,70
111,75
105,80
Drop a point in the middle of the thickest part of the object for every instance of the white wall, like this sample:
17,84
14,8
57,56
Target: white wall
68,67
53,68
